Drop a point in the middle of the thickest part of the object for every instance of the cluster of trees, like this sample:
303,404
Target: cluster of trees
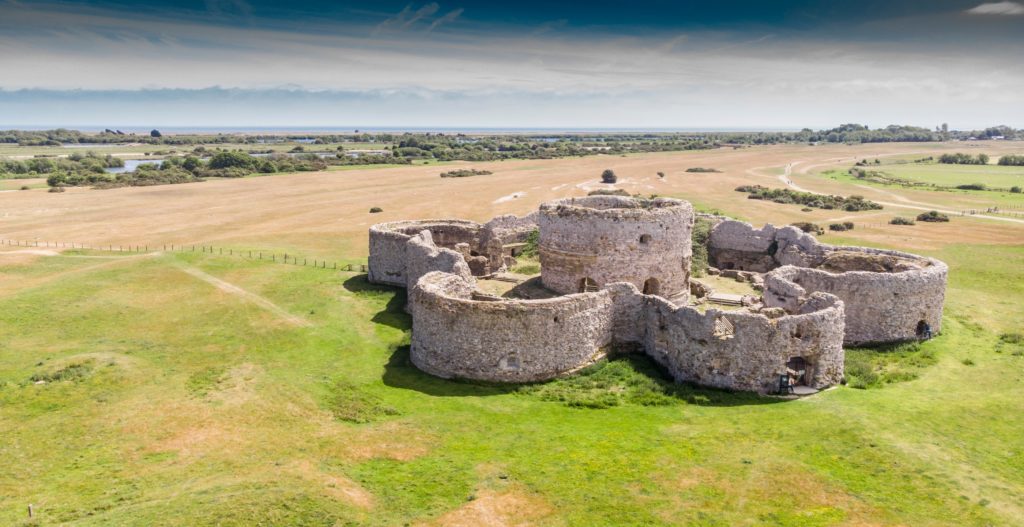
839,227
76,163
1012,160
185,169
963,159
818,201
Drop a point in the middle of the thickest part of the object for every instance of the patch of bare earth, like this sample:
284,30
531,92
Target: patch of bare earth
507,508
389,440
337,486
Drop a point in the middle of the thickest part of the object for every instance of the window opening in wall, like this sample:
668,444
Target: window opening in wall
645,238
724,329
588,285
728,265
651,286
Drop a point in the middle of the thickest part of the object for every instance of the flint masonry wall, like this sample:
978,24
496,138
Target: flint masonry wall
886,294
746,351
610,239
456,335
880,307
388,241
504,340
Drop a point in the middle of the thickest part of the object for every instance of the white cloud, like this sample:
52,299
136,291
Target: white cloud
998,8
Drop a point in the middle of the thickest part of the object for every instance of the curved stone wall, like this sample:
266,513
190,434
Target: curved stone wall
455,335
387,261
600,240
880,307
887,294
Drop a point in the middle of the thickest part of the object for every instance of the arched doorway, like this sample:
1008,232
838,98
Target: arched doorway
923,330
587,285
796,368
651,286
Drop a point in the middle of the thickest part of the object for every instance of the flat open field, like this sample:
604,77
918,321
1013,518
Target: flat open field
953,175
171,388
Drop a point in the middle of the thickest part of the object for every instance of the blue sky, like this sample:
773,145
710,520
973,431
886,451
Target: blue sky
640,64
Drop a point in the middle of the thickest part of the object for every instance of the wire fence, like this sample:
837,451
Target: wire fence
257,255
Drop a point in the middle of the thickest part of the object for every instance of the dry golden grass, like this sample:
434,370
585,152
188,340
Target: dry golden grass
326,213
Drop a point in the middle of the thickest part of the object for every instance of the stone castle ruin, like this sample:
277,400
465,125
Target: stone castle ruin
618,273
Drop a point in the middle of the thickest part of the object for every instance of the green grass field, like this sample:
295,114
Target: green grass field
136,391
953,175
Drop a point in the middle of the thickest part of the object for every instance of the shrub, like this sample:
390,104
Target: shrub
1015,189
25,187
703,169
932,216
608,176
464,172
808,227
848,225
963,159
1012,160
530,248
661,174
374,210
785,196
56,189
972,186
898,220
837,227
700,235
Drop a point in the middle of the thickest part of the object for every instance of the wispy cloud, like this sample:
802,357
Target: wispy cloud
452,16
997,8
407,17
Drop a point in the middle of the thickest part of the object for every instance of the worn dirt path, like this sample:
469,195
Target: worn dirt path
233,289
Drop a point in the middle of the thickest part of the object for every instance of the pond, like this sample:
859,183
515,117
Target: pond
131,164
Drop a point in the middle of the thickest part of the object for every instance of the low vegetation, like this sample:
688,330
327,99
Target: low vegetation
877,367
702,169
963,159
899,220
700,237
840,227
932,216
76,165
1012,160
808,227
608,192
608,176
818,201
466,172
375,210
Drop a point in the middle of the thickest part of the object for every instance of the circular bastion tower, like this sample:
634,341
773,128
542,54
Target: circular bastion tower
587,243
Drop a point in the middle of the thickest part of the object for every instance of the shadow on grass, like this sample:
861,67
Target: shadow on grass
394,314
623,380
399,372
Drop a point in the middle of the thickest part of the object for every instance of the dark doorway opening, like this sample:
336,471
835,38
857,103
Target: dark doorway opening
923,330
651,286
796,368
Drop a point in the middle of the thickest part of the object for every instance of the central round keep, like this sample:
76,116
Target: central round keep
587,243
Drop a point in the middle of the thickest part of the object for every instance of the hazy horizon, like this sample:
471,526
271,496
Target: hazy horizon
400,65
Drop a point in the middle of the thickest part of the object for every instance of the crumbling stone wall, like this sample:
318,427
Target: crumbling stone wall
880,307
502,340
388,241
608,239
738,350
887,294
510,228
